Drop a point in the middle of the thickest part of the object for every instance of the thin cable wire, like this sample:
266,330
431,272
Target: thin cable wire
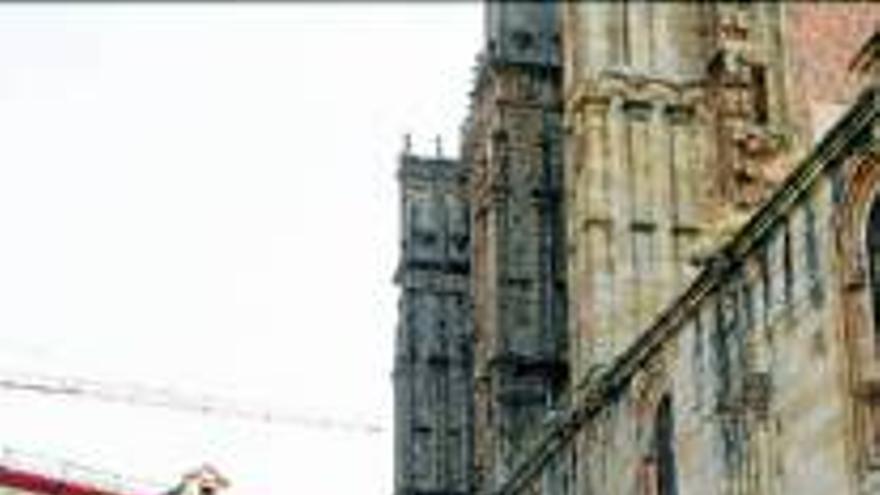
140,395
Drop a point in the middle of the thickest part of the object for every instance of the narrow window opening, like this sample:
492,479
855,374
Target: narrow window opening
788,269
811,251
748,303
873,252
664,448
874,413
625,36
761,100
767,284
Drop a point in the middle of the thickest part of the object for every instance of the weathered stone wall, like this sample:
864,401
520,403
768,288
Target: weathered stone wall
632,198
756,367
432,371
763,360
680,122
756,370
636,148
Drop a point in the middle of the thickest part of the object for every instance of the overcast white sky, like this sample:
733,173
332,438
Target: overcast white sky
203,196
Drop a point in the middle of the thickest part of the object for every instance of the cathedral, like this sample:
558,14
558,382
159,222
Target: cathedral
654,268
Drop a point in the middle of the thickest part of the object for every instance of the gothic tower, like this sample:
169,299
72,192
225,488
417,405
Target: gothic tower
432,365
675,117
610,151
512,146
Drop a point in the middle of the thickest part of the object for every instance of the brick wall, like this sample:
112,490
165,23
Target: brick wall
822,40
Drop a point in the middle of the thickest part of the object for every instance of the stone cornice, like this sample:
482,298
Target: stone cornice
598,93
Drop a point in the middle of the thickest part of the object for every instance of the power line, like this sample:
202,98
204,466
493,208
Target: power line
144,396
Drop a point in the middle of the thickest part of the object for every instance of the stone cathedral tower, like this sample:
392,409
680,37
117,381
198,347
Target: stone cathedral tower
676,115
432,367
512,146
580,294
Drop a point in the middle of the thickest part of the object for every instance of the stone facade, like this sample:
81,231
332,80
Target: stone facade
674,249
746,365
760,378
512,148
432,367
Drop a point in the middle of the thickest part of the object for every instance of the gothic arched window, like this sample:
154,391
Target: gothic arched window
873,251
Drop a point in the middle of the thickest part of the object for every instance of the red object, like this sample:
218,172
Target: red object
40,484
